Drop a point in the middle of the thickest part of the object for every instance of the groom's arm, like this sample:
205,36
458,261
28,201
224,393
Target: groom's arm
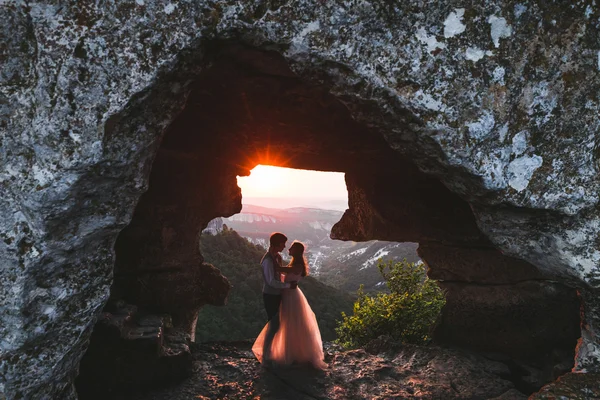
269,275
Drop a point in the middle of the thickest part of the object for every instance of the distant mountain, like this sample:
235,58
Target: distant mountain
344,265
303,202
243,316
310,225
347,268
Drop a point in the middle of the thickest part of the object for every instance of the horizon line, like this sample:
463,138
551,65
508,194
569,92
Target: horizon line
293,197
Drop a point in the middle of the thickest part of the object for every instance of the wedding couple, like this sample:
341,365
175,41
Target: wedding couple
292,335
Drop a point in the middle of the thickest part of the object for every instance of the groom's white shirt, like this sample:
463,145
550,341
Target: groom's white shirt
271,284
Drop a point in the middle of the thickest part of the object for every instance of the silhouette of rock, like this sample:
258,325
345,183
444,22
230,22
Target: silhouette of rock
131,351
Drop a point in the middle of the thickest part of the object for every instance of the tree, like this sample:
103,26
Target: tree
406,313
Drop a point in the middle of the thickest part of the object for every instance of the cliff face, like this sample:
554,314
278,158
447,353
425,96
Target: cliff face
464,126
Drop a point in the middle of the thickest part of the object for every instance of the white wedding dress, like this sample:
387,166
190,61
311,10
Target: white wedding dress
298,340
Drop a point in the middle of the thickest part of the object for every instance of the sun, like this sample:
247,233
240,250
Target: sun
298,186
264,181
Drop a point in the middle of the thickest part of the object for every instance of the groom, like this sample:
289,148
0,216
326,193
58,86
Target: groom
272,287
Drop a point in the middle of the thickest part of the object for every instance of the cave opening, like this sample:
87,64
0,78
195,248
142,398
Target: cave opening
247,108
302,204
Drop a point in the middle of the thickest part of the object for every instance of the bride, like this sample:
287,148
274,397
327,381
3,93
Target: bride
298,339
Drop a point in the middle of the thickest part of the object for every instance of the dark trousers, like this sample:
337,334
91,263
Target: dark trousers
272,302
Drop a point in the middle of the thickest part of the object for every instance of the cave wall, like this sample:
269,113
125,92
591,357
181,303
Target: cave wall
497,304
245,107
497,101
158,265
248,107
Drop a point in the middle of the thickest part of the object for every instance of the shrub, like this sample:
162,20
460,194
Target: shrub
406,313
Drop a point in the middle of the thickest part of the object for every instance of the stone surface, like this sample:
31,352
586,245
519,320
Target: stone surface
229,371
394,201
500,304
479,265
534,323
572,386
499,102
128,357
525,318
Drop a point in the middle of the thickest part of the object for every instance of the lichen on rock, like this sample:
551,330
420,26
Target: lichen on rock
87,91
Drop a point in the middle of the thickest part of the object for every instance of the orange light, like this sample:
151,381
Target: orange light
266,156
264,180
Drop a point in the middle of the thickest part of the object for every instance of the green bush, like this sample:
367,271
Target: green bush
406,313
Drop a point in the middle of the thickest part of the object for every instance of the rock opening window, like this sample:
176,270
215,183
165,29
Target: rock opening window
304,205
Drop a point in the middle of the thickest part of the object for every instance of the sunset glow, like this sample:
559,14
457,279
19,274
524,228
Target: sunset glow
264,181
277,182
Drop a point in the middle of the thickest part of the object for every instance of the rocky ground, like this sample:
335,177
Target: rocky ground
571,386
140,358
230,371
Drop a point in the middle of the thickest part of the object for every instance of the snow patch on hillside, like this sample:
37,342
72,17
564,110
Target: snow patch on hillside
315,262
375,258
320,225
258,241
250,218
352,254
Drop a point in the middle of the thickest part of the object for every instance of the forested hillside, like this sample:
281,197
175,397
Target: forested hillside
356,264
243,317
344,265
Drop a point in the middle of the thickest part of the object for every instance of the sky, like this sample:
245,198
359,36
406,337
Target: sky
298,187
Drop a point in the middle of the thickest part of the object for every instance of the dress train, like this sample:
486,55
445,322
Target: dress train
298,339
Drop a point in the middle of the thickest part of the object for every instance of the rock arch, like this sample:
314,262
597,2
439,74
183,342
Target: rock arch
516,158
